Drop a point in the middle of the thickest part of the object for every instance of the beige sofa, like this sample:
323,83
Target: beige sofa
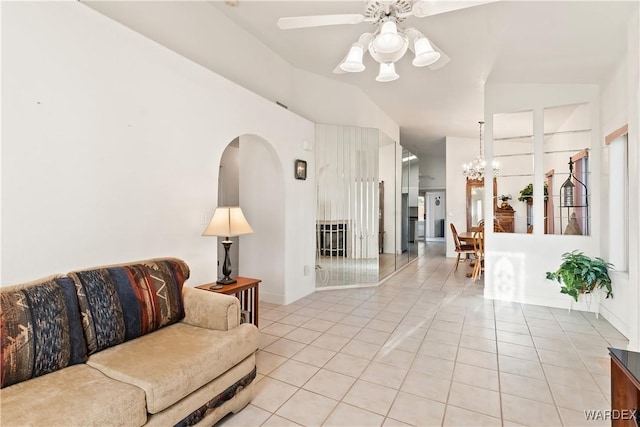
123,345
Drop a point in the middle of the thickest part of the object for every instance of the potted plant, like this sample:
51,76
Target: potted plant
580,274
504,198
526,194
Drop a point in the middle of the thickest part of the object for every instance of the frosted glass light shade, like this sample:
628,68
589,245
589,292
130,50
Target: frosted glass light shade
425,54
389,57
228,222
388,40
353,63
387,72
567,192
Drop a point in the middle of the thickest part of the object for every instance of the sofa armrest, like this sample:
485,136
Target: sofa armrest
210,310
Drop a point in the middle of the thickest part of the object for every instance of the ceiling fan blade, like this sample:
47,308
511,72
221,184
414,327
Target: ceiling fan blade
423,8
444,58
319,21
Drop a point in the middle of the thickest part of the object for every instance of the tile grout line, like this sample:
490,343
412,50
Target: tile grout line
446,405
301,387
369,364
412,361
495,331
544,372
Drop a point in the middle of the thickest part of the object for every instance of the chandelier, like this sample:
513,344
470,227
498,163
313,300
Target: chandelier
387,46
475,169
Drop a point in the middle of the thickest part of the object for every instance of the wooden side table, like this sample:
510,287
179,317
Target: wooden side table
625,388
246,290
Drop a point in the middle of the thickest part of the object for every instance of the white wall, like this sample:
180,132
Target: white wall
620,97
433,171
261,183
111,146
228,195
312,94
229,178
234,53
633,102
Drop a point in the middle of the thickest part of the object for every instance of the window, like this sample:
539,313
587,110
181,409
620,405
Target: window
619,201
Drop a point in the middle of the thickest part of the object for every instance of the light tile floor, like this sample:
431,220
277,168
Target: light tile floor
425,348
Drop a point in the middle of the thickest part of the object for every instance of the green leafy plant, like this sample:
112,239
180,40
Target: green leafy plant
504,197
526,193
580,274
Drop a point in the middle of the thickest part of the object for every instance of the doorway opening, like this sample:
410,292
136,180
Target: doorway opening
251,177
434,215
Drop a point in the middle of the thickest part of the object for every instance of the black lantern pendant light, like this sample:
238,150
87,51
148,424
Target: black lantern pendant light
567,190
574,198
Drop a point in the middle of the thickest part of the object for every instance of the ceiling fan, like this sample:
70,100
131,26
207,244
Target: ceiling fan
389,42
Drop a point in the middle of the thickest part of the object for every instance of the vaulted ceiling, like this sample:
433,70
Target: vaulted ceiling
503,42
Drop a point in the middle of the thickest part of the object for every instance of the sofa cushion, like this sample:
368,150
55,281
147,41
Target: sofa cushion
172,362
41,330
76,396
210,393
119,303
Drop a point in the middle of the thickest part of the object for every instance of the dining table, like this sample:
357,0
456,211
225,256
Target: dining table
467,237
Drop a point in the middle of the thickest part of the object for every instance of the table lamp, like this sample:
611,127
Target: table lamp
227,222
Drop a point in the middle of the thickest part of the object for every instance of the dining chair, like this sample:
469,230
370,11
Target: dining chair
478,252
460,248
480,226
497,227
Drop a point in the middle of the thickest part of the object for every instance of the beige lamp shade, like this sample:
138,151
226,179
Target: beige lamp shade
228,222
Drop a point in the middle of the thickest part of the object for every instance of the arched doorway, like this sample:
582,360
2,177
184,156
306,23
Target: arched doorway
251,176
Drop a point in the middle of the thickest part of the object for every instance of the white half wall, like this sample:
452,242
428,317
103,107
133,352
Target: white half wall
515,264
111,145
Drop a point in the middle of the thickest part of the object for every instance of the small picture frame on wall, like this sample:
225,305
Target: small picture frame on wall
301,169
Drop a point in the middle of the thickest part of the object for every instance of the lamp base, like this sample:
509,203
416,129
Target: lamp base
226,281
226,266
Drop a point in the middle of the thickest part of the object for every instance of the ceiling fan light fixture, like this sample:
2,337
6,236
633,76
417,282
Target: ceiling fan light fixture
389,57
425,54
388,40
387,72
353,63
